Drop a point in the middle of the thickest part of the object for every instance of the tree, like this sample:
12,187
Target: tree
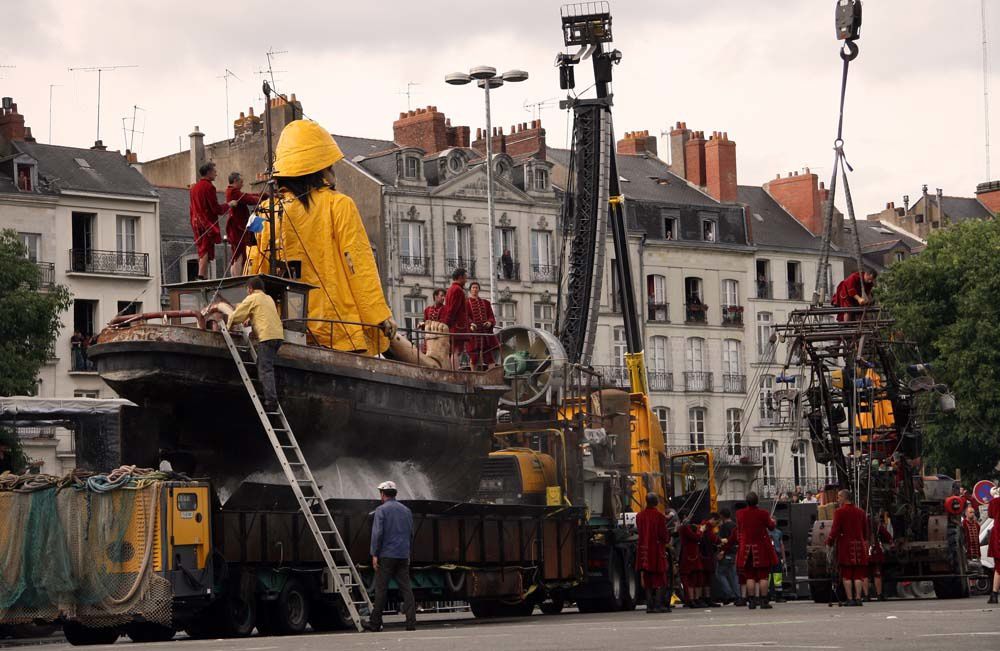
29,317
11,452
947,300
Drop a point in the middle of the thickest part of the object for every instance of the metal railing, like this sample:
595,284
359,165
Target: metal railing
660,380
764,289
461,263
47,273
697,381
658,312
733,454
414,265
695,313
734,383
544,273
510,272
115,263
784,487
732,315
614,376
795,291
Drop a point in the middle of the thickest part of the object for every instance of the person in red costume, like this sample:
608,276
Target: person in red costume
205,212
651,555
483,345
455,314
876,558
993,551
236,226
756,554
971,529
850,532
690,562
709,557
854,291
433,312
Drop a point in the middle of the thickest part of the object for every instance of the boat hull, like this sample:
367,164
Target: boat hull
358,419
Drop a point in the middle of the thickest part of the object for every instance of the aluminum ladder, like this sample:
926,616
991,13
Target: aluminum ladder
346,579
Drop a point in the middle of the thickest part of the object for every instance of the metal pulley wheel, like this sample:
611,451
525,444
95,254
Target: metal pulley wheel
533,361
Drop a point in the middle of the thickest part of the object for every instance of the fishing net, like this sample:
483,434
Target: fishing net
82,554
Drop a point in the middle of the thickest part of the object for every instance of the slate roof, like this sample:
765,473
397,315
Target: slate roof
960,209
353,147
874,237
105,172
771,225
175,212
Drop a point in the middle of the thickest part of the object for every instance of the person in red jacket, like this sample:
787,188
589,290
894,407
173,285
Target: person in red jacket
971,529
455,314
854,291
690,562
756,554
876,558
433,312
993,551
850,532
236,226
651,555
205,212
709,557
482,345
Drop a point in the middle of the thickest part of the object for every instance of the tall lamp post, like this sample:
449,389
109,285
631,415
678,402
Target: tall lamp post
486,77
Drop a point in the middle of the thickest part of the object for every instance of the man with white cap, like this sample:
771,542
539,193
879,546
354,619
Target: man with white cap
392,531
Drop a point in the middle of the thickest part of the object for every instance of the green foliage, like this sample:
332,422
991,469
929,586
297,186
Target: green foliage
947,300
11,452
29,317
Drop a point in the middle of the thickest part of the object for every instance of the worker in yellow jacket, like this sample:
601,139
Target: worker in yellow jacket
321,233
258,308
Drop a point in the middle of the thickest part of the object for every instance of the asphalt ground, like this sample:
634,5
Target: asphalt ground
911,625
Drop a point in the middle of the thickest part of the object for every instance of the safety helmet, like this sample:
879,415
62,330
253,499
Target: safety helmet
387,486
304,148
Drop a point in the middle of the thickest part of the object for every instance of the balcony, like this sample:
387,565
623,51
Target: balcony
614,376
468,264
510,272
734,383
784,486
658,312
47,274
414,265
544,273
112,263
764,289
697,381
795,291
732,315
728,455
695,313
661,380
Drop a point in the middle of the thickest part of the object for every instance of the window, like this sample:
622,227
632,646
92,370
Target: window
765,351
659,360
829,473
541,179
544,314
86,393
616,296
671,227
766,400
458,245
763,279
504,239
730,292
541,248
506,314
799,470
663,416
793,272
900,256
656,298
734,434
692,291
411,167
33,244
411,240
456,163
127,233
25,177
191,269
731,357
694,357
619,347
708,230
413,314
129,307
696,428
502,169
769,450
83,239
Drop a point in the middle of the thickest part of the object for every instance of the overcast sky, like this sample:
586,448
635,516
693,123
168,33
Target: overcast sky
767,72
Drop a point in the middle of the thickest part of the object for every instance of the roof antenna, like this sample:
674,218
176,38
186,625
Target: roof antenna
229,73
986,87
409,92
99,70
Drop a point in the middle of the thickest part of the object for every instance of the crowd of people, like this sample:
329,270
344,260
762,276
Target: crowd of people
470,321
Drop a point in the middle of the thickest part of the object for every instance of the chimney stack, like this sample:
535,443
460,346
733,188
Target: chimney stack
988,194
694,158
720,167
636,143
801,196
527,139
429,130
12,123
679,137
197,152
99,146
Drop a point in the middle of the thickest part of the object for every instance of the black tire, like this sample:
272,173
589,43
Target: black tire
148,632
552,606
237,618
79,635
291,610
630,587
518,609
329,615
952,588
483,608
616,600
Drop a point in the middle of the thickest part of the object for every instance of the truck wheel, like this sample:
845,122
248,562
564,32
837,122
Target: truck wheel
630,587
616,601
483,608
149,632
951,588
79,635
552,606
291,610
329,615
237,618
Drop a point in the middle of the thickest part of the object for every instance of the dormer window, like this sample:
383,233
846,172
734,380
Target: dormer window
541,179
411,167
25,175
456,164
502,169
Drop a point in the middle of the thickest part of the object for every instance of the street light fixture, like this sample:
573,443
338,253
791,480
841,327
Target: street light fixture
486,77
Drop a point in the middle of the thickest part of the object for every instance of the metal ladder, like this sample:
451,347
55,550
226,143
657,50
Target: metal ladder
346,579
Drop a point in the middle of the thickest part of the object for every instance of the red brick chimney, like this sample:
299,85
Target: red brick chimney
428,129
525,139
694,158
12,124
499,141
720,167
637,142
679,137
802,196
989,195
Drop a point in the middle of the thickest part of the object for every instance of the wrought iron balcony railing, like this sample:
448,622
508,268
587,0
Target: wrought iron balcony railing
695,313
658,312
47,271
697,381
461,263
511,271
732,383
544,273
115,263
731,454
414,265
732,315
795,291
614,376
661,380
764,289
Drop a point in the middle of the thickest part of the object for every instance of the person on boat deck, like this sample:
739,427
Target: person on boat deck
483,345
205,212
323,235
260,310
236,225
433,312
853,291
455,314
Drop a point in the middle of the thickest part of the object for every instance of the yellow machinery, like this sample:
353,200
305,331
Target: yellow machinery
692,482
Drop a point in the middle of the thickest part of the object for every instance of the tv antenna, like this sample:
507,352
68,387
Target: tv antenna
51,86
99,70
986,86
229,73
128,135
271,54
409,93
536,108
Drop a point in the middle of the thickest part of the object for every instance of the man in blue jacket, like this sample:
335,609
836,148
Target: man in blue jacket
392,531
